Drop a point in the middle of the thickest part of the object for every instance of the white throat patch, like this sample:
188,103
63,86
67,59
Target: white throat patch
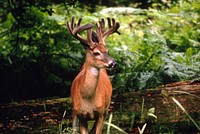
94,71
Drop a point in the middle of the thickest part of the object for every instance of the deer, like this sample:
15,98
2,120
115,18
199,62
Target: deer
91,89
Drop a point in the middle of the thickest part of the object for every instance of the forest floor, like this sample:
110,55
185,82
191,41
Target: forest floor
52,115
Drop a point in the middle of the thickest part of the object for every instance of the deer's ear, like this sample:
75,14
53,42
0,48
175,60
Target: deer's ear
86,46
94,37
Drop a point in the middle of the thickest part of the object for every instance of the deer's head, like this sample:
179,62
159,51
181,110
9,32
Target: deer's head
97,53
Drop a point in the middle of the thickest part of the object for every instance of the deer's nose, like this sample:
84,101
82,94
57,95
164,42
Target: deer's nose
112,64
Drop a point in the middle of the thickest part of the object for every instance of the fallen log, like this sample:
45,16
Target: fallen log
187,93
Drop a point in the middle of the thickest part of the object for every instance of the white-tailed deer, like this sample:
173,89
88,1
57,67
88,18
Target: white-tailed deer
91,89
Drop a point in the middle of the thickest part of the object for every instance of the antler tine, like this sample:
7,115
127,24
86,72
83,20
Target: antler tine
102,25
100,28
69,27
72,23
109,22
89,35
75,29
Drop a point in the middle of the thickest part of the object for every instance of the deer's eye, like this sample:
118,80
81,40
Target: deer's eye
96,53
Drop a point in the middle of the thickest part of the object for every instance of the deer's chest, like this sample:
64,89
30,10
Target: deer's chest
90,110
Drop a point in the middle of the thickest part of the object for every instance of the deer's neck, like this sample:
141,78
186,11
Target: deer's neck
90,81
91,77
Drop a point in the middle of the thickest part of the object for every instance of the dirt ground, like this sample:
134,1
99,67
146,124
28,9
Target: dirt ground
52,115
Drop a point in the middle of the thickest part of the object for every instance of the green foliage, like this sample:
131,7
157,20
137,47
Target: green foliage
156,46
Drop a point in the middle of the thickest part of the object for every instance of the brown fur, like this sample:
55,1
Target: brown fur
91,89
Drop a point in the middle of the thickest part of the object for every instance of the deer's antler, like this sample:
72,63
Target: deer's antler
101,31
75,29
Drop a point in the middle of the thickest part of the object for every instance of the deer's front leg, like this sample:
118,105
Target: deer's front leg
83,126
99,124
74,123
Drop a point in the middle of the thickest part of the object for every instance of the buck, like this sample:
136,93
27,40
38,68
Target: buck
91,89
